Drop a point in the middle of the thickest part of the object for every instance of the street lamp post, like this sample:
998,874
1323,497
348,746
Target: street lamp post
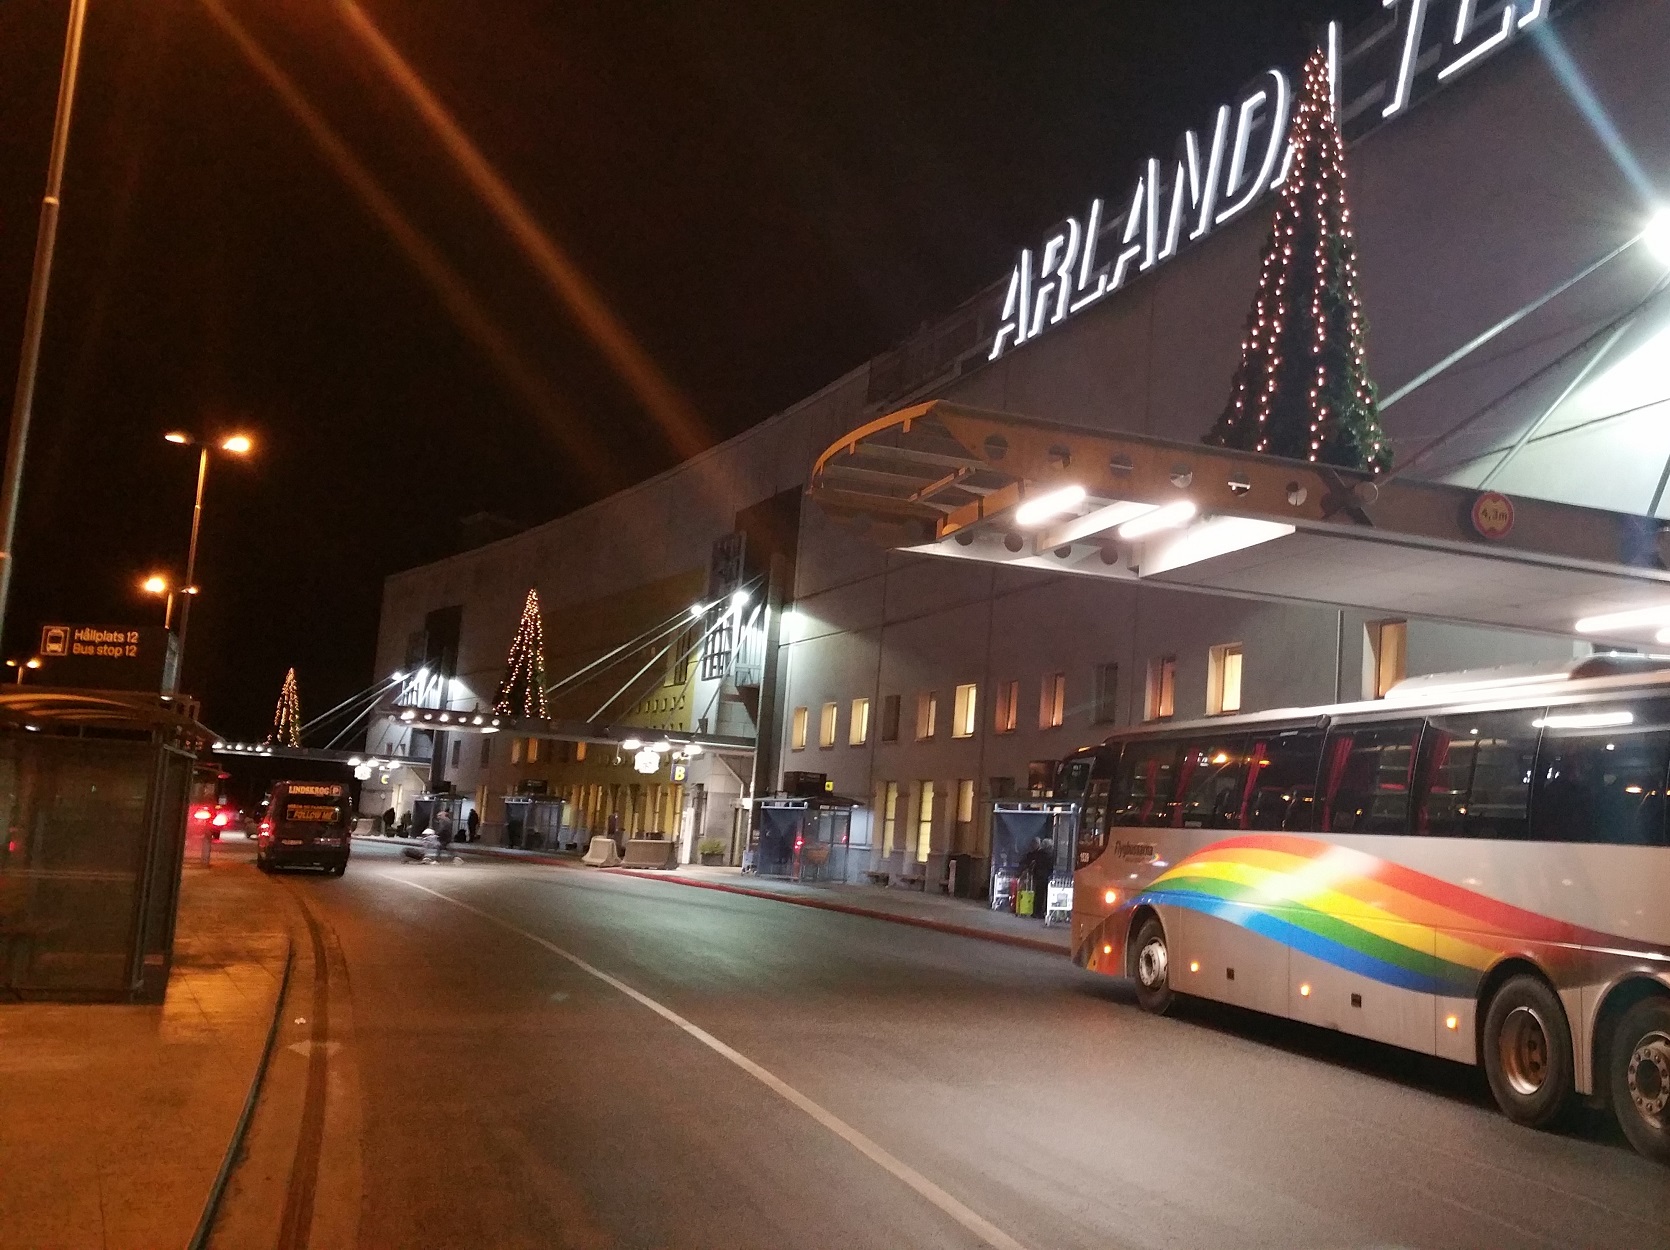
237,445
23,666
34,317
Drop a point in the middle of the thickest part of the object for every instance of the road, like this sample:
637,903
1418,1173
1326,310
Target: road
534,1056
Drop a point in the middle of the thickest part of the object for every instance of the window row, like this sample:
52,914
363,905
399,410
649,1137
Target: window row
908,811
965,712
1585,775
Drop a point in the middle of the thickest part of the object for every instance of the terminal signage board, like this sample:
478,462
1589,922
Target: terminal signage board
108,657
1219,171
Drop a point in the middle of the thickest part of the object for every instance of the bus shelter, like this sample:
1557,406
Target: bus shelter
806,839
1032,858
533,821
94,790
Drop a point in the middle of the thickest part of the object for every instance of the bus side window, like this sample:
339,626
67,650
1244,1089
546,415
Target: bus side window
1093,821
1475,774
1366,772
1211,780
1281,790
1145,784
1603,783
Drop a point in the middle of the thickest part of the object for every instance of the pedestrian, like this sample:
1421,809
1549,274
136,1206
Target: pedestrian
443,832
473,823
388,823
404,828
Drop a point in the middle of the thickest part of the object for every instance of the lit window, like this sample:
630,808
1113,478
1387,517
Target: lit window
826,724
925,823
1008,707
889,817
579,752
1052,701
1223,679
858,727
797,730
965,800
1162,687
965,711
927,715
533,750
1384,656
515,750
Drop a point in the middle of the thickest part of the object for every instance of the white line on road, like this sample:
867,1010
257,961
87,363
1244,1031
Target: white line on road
980,1227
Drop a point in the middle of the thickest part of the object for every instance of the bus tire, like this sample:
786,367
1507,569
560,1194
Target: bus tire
1638,1076
1527,1052
1151,967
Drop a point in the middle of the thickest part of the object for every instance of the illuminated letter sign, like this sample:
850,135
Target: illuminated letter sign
1210,184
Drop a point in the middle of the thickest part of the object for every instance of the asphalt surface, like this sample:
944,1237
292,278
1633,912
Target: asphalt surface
554,1057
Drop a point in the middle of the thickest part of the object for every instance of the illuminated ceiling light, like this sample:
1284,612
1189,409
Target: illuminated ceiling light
1168,517
354,761
1635,618
1096,521
691,749
740,599
397,675
1584,720
1052,504
408,715
1216,537
662,745
1657,235
630,744
698,610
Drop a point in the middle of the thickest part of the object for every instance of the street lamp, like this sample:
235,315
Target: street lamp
23,666
157,584
233,444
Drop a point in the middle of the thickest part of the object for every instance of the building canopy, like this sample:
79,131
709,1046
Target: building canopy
965,483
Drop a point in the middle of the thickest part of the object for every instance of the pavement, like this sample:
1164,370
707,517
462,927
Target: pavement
116,1118
966,917
555,1058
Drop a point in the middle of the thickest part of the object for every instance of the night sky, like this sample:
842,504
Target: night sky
767,194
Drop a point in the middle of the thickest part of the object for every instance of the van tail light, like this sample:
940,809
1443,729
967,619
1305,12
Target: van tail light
266,826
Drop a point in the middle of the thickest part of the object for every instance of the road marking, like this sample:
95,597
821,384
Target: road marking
976,1224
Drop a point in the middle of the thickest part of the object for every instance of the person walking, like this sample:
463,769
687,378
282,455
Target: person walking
473,824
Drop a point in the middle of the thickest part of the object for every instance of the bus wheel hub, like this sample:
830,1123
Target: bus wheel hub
1649,1076
1151,964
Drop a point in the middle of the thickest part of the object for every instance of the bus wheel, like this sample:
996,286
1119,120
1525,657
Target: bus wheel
1527,1052
1638,1071
1153,968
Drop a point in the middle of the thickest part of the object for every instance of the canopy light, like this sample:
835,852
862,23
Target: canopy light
397,675
631,744
1635,618
1657,235
1585,720
698,610
740,598
1166,518
662,745
1052,504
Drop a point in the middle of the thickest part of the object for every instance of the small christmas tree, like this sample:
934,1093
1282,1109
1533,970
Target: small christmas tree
1302,389
287,718
522,692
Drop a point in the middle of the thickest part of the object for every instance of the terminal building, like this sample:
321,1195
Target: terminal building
841,609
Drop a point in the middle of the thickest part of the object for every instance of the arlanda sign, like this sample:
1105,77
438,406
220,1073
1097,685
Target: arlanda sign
107,657
1217,174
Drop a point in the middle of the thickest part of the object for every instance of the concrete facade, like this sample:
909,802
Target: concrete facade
1490,192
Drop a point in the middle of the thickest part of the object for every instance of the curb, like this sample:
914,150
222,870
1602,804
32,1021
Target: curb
217,1190
849,909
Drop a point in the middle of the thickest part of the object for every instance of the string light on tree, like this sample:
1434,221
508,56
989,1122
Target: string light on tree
1302,388
522,692
287,718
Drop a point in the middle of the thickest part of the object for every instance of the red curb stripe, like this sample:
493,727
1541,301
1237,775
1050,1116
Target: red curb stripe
939,926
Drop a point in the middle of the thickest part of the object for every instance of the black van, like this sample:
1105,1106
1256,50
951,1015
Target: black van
308,824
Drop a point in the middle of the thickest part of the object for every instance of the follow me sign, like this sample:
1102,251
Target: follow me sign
1210,182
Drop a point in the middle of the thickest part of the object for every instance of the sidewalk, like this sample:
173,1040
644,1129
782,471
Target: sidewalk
967,917
116,1118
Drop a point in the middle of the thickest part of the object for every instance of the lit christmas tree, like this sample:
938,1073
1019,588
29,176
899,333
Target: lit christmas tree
1302,389
287,719
522,692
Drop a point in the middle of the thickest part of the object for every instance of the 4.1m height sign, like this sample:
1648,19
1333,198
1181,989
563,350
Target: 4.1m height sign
1215,176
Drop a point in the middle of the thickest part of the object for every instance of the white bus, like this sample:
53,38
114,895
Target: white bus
1477,870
